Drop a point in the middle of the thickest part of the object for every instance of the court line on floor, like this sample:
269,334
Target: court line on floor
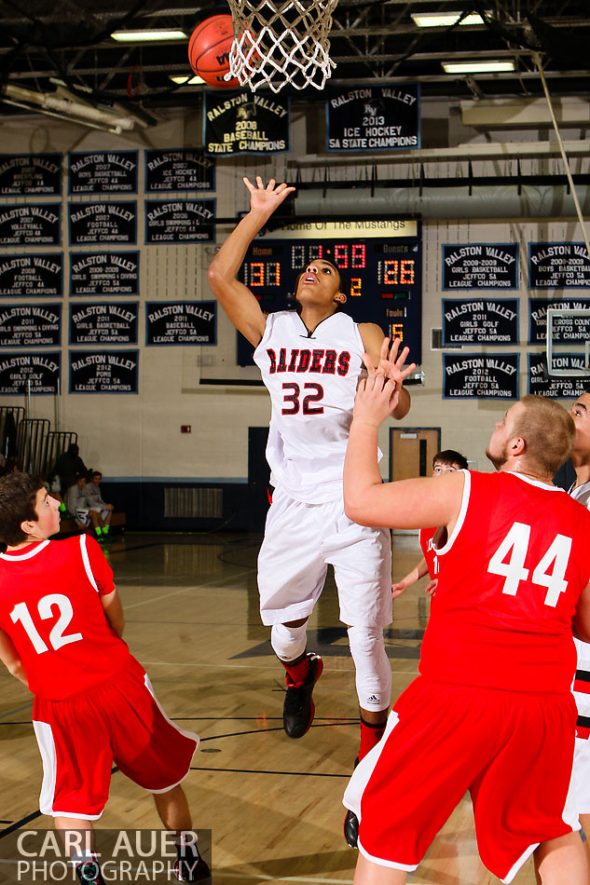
185,589
270,771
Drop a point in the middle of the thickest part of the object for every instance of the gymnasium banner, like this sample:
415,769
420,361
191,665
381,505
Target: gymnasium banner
482,321
179,222
103,371
480,266
112,222
30,325
565,329
102,172
374,118
105,323
35,373
559,266
22,174
32,224
480,375
104,273
556,387
181,322
179,170
32,275
245,123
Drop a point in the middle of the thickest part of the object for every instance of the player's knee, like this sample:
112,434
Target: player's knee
373,671
288,642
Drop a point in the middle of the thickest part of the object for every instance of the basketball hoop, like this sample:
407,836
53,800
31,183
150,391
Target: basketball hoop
281,42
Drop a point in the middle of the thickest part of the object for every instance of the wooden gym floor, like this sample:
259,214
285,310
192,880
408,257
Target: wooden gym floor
273,804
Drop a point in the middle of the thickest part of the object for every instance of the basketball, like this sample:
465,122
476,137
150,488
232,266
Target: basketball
208,51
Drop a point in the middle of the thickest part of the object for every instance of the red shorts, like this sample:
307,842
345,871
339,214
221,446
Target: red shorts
512,751
118,721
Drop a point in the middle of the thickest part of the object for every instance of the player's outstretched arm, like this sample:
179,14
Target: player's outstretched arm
408,504
10,658
411,578
113,610
236,299
383,355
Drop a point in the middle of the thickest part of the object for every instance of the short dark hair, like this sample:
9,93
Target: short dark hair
18,496
343,284
450,457
94,473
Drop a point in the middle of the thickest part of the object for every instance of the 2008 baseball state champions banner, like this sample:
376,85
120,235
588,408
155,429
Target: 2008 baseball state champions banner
244,123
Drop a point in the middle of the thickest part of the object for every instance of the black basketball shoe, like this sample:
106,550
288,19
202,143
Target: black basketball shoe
190,866
88,872
299,709
351,823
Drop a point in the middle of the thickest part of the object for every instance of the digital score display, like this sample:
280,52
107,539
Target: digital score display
381,262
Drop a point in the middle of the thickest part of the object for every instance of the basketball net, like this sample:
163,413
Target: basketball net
281,42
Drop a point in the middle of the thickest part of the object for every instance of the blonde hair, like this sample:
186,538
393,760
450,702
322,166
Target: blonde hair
548,431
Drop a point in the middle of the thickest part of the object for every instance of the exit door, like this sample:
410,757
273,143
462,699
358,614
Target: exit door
411,450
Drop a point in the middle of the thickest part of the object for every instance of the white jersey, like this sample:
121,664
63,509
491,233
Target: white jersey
312,379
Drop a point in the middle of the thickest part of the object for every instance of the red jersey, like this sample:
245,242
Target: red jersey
426,539
50,608
511,576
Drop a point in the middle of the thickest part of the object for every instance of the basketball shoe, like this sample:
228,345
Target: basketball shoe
88,872
299,708
351,823
190,866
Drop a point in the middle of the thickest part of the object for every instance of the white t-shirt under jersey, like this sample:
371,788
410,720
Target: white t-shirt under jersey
312,379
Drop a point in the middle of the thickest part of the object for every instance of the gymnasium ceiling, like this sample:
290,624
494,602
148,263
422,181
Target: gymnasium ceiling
372,42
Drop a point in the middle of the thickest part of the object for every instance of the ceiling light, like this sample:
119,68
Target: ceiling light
184,80
478,67
446,19
148,36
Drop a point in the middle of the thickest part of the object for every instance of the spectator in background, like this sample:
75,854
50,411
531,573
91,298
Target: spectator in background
80,508
68,466
95,500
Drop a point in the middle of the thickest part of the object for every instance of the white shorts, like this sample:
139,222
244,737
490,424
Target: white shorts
300,541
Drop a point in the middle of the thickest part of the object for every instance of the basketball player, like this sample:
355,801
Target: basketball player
429,539
61,622
311,360
580,490
491,711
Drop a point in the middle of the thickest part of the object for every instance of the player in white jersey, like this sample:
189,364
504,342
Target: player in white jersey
580,490
311,360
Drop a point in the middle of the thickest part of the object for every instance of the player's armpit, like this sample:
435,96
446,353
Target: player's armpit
113,610
10,658
581,624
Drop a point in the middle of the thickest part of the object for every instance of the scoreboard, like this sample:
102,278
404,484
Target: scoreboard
381,261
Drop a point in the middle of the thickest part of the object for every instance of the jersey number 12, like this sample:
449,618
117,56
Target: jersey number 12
57,637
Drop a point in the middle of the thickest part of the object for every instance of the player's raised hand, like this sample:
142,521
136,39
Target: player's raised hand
392,361
267,198
376,398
